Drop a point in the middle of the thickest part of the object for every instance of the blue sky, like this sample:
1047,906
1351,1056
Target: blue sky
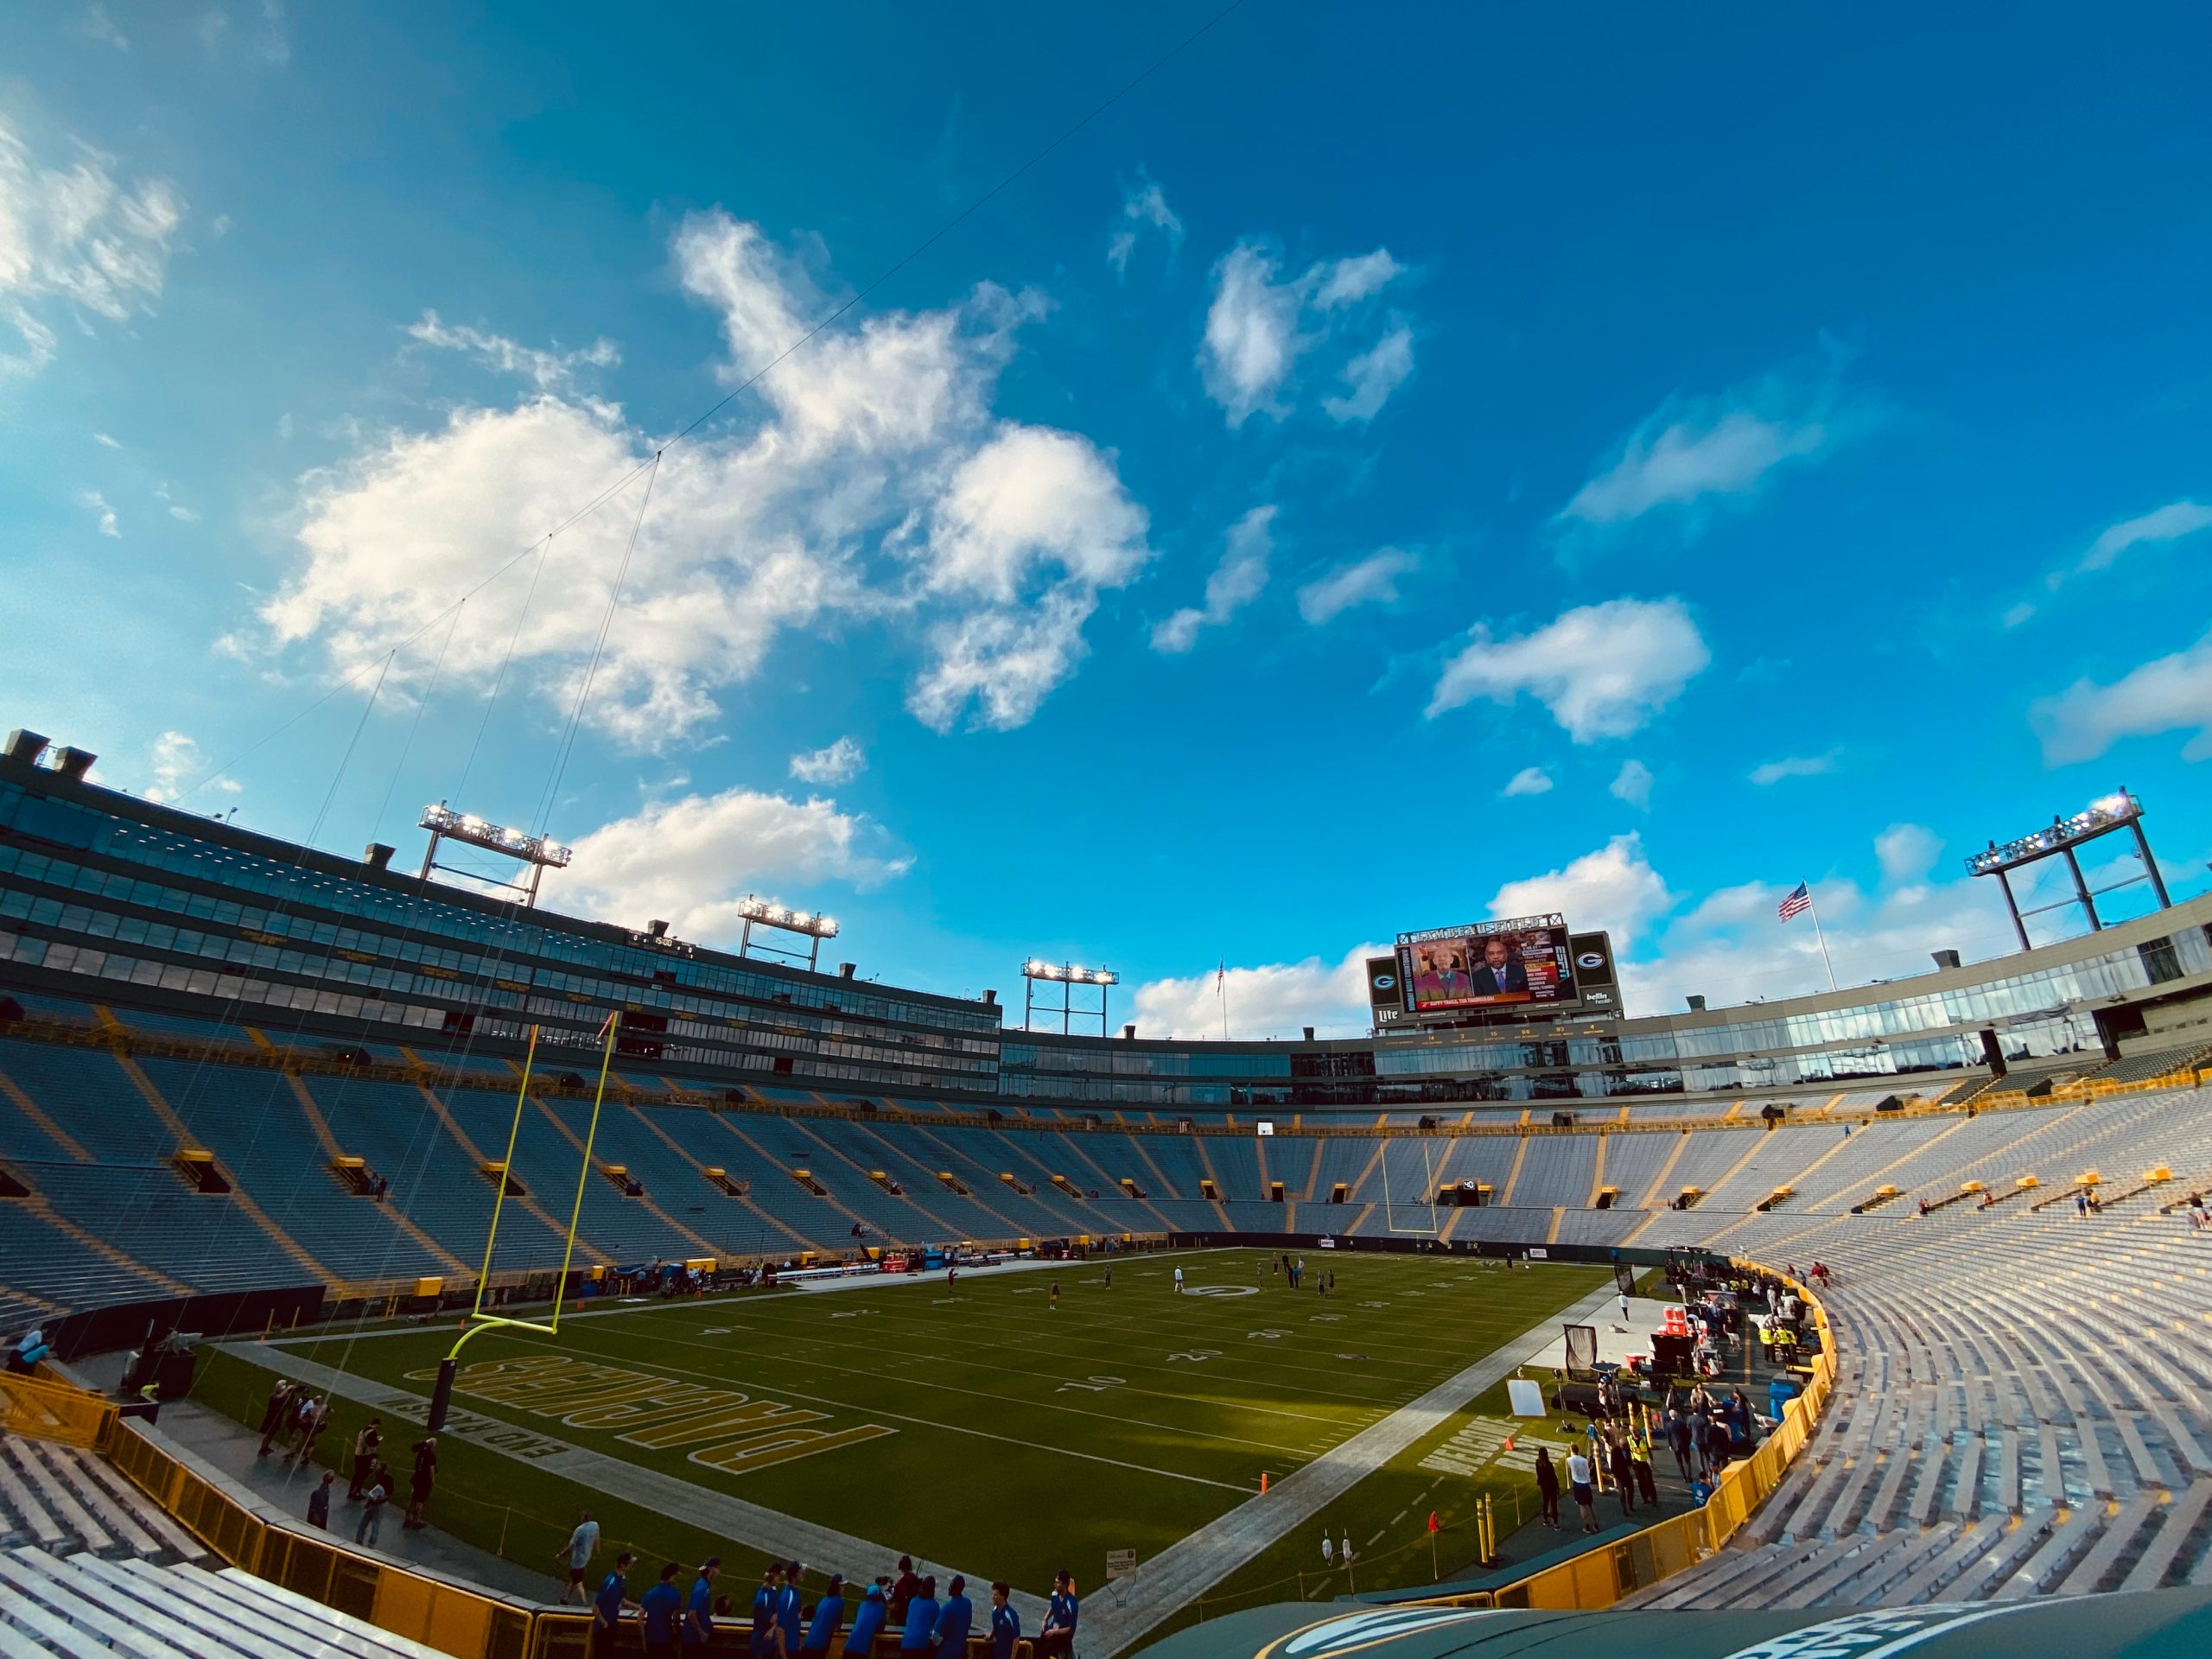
1390,468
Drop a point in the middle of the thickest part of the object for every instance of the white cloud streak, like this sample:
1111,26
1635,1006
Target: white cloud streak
1794,765
1144,207
1632,783
1370,377
1529,780
2167,694
840,763
1259,325
1602,670
548,370
1238,580
1690,449
1370,580
175,760
76,239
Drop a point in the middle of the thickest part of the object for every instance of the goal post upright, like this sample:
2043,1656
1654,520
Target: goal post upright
442,1392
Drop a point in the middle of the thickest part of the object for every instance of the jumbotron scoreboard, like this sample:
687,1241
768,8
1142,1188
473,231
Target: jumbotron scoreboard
1511,969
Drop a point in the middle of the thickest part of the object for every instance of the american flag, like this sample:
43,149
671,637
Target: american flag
1797,899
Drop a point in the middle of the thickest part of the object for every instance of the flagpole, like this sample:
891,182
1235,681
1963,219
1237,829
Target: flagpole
1814,911
1221,990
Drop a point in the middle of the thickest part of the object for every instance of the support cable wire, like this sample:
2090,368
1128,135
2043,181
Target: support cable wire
753,379
568,744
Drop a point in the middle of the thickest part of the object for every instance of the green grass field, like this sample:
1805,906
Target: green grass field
993,1430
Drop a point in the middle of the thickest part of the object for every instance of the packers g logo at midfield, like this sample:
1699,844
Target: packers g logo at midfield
1353,1632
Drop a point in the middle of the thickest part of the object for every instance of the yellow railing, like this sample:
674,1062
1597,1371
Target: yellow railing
44,1408
1598,1579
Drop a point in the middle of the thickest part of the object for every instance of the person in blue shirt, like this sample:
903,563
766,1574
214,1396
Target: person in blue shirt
921,1620
661,1605
699,1611
1058,1637
762,1644
829,1617
607,1607
1005,1623
875,1608
787,1611
953,1620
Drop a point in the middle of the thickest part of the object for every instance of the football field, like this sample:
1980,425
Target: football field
991,1425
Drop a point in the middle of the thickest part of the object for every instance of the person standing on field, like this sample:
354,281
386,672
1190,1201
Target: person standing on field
366,1445
582,1545
1548,1487
1179,1291
1328,1551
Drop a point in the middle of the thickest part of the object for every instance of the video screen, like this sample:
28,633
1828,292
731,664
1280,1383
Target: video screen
1486,964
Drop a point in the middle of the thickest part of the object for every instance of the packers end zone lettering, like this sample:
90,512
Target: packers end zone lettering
740,1433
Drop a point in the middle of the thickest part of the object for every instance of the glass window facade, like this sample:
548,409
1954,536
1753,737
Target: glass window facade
98,891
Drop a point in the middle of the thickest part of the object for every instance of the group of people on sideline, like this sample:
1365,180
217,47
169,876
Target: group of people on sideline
295,1418
787,1621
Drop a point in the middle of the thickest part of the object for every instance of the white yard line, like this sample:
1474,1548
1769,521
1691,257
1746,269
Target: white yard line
1120,1616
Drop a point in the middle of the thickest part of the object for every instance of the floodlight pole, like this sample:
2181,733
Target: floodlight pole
2012,905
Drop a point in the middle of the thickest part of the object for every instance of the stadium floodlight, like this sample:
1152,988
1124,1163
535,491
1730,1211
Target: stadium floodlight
1072,973
541,853
2059,839
813,926
1067,976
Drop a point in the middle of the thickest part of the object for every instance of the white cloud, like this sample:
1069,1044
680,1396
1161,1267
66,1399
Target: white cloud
871,482
548,370
1372,375
1733,948
1370,580
840,763
1907,852
1257,328
1143,204
1340,282
104,515
1032,506
1614,887
1034,499
177,510
1603,671
1235,582
2170,693
1529,780
1005,662
77,239
1794,766
105,441
1275,999
1632,783
99,27
1729,445
2016,615
2167,523
687,861
177,762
